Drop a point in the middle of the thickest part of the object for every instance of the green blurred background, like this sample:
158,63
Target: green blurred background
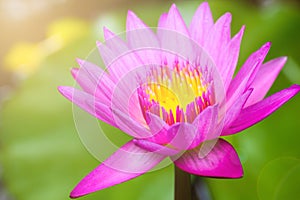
41,155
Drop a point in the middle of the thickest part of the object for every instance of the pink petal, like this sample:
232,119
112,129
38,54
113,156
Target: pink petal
158,128
133,22
134,110
108,34
230,58
109,58
93,80
201,23
87,77
124,122
161,25
179,135
115,53
264,79
175,43
162,21
257,112
185,136
87,103
205,122
155,148
246,74
182,135
129,162
124,95
142,40
221,161
234,111
175,21
219,37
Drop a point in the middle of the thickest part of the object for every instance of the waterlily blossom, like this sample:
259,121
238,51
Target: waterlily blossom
172,89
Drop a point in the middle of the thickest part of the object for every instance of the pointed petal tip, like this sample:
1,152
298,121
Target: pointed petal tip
279,62
133,22
108,34
77,192
173,9
284,58
267,45
240,34
263,51
296,87
74,72
80,61
74,195
175,22
203,9
130,12
242,30
204,4
131,15
228,15
105,28
98,43
239,173
115,169
162,20
65,91
264,48
173,6
59,88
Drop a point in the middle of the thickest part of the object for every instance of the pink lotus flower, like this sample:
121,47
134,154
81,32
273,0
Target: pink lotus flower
173,91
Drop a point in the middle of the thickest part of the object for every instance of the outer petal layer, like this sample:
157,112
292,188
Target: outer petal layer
234,111
247,73
142,39
229,58
88,103
219,36
175,21
93,80
264,79
257,112
131,161
201,23
221,161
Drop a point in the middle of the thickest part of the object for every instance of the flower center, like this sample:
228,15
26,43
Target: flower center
175,95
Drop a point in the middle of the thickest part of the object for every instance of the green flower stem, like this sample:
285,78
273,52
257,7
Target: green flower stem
183,189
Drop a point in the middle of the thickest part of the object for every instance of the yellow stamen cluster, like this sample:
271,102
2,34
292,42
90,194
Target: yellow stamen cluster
175,92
